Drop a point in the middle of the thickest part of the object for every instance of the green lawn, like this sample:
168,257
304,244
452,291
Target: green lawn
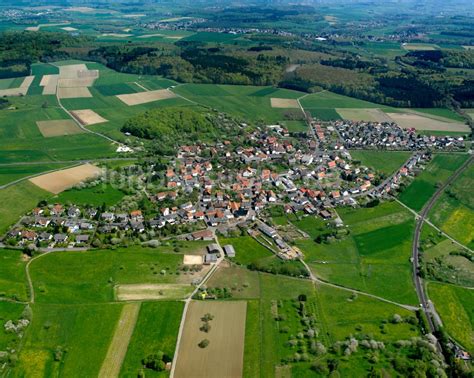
455,305
156,330
89,277
247,250
95,196
18,200
82,332
441,167
386,162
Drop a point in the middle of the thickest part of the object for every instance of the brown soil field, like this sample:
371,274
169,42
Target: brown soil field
76,83
79,92
142,292
372,115
70,71
116,35
284,103
145,97
59,181
119,344
58,128
224,355
192,260
88,117
22,90
408,120
50,84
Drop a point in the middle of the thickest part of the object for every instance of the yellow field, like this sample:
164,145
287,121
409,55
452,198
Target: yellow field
59,181
146,97
284,103
418,122
223,357
58,128
119,345
142,292
460,225
88,117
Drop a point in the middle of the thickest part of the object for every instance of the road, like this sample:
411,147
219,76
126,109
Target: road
426,304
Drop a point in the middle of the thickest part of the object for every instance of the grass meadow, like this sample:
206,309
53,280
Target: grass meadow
95,196
422,188
156,330
12,275
386,162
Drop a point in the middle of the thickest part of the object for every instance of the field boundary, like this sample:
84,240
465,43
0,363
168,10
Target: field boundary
119,345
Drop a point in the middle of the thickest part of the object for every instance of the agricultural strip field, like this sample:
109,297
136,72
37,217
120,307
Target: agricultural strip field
12,275
58,128
78,335
156,330
284,103
146,97
10,173
367,259
455,305
21,90
223,357
147,292
421,189
88,117
17,200
370,115
249,102
119,344
386,162
454,211
57,182
90,277
418,122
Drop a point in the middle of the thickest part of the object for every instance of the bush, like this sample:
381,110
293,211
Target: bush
204,343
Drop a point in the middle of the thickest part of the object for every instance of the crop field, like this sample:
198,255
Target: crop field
366,259
10,173
386,162
119,344
148,292
419,46
418,122
12,275
88,117
441,113
59,181
90,277
156,330
284,103
370,115
146,97
20,90
95,196
249,102
58,128
455,305
17,200
423,187
226,340
81,334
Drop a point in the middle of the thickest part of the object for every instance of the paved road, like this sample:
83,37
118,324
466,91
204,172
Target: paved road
426,304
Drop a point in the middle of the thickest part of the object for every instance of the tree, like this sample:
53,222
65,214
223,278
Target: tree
204,343
154,361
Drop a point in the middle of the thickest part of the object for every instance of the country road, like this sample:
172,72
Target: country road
428,309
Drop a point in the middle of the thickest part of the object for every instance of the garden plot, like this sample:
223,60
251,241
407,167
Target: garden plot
409,120
146,292
146,97
22,90
223,357
59,181
58,128
88,117
284,103
369,115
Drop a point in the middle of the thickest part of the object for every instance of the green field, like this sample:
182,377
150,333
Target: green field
11,83
248,102
367,259
441,112
12,173
18,200
441,167
455,305
95,196
9,311
454,211
247,250
156,330
88,277
82,333
12,275
386,162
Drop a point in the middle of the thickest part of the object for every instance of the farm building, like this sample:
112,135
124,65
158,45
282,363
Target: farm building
203,235
229,250
210,259
213,248
267,230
